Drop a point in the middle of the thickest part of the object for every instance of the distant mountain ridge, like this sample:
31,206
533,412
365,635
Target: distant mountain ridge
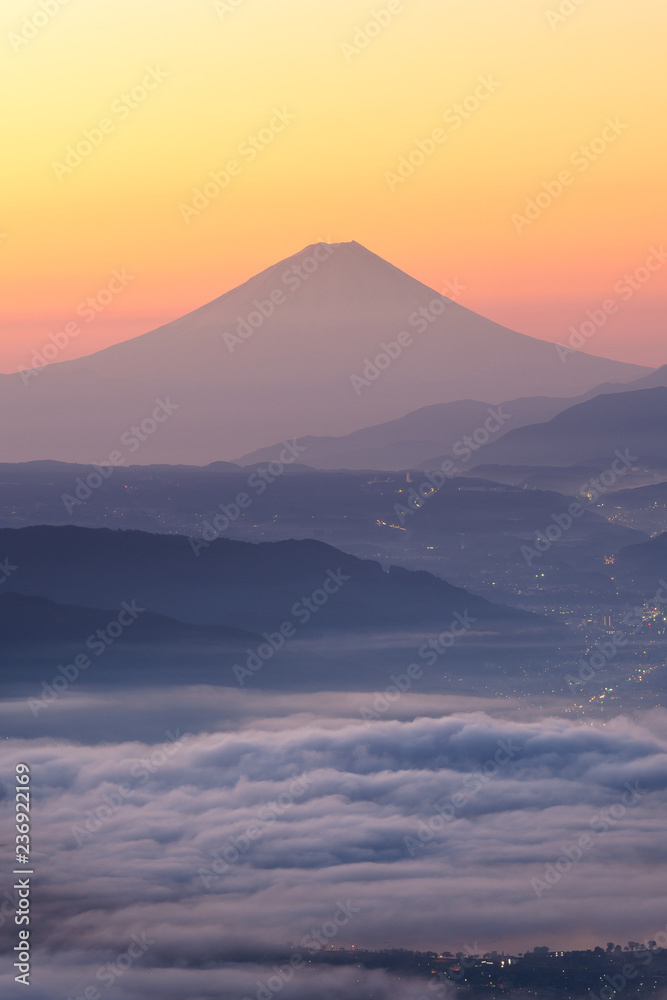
592,432
422,438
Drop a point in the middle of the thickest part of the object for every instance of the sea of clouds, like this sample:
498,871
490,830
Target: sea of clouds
248,823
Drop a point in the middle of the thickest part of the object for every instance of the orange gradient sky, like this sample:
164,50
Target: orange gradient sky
226,67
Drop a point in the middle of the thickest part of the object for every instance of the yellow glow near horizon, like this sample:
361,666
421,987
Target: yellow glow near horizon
324,175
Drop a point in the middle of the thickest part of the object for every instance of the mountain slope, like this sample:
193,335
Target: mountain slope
412,441
31,619
242,585
46,644
275,358
644,566
592,433
408,441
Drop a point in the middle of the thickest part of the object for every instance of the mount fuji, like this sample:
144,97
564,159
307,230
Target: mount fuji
325,342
